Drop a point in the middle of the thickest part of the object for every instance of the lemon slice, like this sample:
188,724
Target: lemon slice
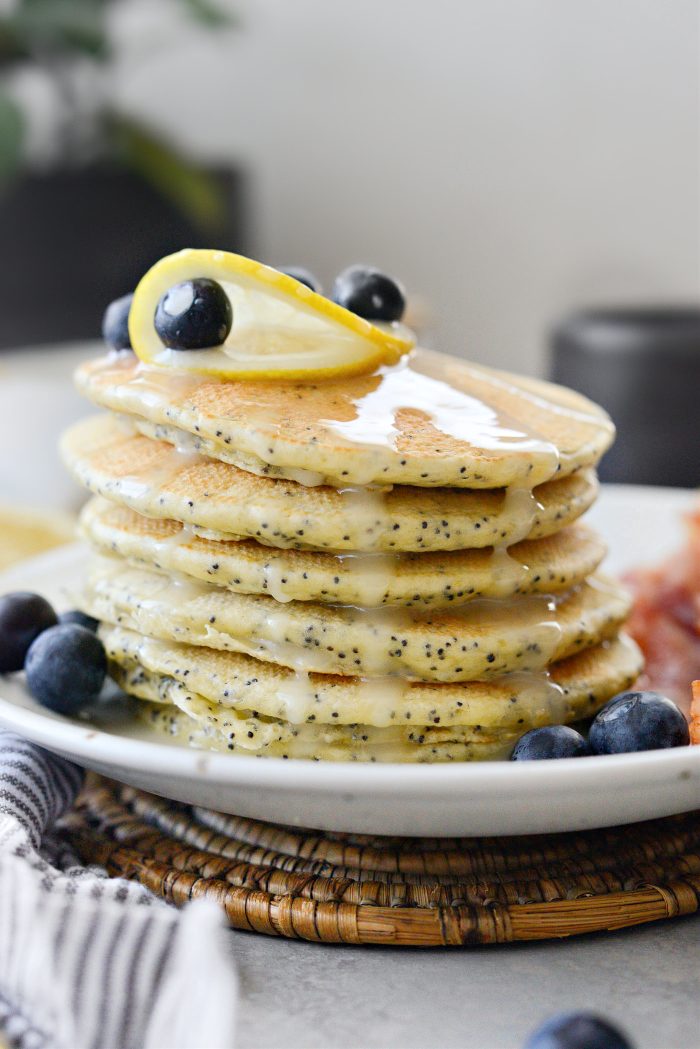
281,329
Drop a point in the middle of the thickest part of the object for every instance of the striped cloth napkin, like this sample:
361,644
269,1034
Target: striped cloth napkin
88,961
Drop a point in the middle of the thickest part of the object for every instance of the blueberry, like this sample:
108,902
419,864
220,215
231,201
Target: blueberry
635,721
66,667
369,293
577,1031
23,616
115,323
194,315
304,276
80,618
552,741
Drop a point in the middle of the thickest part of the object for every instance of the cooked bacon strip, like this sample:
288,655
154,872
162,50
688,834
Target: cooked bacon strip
695,714
665,620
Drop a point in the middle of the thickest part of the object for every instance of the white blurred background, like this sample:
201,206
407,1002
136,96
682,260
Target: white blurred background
509,159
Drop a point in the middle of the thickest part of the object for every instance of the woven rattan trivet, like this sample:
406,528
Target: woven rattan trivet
400,891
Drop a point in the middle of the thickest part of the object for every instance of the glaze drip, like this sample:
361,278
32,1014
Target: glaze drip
406,388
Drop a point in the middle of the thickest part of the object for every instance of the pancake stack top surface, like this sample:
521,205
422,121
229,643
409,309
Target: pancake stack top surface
385,566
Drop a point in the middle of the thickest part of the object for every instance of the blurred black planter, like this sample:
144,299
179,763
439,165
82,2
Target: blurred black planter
74,240
643,366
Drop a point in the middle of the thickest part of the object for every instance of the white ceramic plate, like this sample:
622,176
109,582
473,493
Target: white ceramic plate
641,524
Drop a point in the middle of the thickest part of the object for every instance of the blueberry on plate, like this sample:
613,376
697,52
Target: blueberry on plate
66,668
194,315
369,293
304,276
551,741
23,616
74,615
115,323
577,1031
634,721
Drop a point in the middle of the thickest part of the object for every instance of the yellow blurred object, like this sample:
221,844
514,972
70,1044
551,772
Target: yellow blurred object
25,532
281,329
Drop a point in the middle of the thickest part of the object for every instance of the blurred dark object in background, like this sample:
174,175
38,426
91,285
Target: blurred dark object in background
643,365
109,195
75,240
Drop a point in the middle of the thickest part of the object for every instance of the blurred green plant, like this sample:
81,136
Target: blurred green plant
57,36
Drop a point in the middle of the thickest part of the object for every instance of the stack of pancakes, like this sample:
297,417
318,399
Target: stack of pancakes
383,568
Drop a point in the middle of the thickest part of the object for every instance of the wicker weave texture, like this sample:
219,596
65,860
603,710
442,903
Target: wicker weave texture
394,891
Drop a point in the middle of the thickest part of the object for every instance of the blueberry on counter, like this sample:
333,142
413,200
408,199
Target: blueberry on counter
369,293
577,1031
634,721
74,615
194,315
115,323
551,741
304,276
23,616
66,668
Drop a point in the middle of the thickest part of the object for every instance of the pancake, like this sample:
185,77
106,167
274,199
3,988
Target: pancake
267,701
482,638
571,687
428,421
433,579
224,502
199,727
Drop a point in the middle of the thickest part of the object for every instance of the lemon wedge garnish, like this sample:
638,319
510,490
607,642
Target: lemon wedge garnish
281,329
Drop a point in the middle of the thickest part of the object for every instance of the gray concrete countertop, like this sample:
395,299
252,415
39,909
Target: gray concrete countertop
306,996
